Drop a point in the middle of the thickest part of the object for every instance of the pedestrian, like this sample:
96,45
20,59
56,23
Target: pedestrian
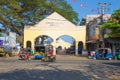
51,52
27,55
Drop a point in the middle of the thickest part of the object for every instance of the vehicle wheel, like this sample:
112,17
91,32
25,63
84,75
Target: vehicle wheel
94,58
110,58
54,59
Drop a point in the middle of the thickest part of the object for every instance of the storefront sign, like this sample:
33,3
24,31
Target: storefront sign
12,39
54,23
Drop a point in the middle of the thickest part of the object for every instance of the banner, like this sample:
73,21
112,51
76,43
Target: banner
12,39
1,42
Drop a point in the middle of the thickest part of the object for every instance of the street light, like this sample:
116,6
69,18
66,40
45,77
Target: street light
103,8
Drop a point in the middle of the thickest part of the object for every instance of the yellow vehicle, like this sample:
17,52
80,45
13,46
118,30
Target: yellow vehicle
43,53
2,52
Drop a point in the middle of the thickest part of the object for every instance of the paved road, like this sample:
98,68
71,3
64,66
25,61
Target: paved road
66,67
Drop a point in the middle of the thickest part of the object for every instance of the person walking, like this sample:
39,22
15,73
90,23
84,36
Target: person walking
51,52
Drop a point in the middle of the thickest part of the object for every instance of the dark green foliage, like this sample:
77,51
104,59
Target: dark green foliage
113,24
15,14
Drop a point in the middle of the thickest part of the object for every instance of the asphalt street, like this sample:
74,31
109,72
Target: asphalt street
66,67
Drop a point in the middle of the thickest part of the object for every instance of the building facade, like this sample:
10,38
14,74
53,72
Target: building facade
94,36
54,26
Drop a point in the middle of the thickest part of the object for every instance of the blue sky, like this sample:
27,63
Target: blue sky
89,5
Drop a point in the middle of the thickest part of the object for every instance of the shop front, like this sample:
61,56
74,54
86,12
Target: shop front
114,44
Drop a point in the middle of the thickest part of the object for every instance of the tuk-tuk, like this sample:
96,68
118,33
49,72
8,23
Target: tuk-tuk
43,53
3,52
118,55
103,53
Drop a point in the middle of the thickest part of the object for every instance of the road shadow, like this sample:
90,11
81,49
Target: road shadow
37,74
113,63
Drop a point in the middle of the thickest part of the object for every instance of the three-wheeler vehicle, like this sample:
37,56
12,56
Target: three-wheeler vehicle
43,53
3,52
103,53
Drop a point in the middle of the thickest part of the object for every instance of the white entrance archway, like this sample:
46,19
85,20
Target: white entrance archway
54,26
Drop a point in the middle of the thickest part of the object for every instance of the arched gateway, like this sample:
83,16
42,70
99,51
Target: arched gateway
54,26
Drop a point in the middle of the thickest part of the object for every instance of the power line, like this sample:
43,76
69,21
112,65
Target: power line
103,7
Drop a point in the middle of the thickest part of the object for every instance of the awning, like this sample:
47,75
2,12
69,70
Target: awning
114,40
92,41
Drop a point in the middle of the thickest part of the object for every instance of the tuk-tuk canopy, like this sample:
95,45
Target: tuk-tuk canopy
104,49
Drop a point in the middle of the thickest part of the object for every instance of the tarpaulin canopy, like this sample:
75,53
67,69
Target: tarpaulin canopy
92,41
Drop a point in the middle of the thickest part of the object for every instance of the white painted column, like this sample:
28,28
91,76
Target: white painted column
32,45
54,48
76,50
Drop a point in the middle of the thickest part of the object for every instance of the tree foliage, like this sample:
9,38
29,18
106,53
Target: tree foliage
15,14
113,24
8,14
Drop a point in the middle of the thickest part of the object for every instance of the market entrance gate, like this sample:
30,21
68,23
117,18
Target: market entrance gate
54,26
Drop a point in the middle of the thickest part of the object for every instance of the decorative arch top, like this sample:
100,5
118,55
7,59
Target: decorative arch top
54,22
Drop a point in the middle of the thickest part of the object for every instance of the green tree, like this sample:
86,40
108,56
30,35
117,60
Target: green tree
15,14
113,24
8,12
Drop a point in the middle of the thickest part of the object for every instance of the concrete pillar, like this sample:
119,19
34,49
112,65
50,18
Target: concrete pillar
54,48
32,45
113,49
84,45
76,45
24,45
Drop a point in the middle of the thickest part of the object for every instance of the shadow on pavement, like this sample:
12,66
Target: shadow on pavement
44,75
113,63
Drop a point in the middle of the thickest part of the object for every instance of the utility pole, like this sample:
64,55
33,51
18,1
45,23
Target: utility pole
103,7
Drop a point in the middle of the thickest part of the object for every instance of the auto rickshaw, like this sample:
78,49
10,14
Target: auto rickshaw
118,56
45,53
103,53
3,52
